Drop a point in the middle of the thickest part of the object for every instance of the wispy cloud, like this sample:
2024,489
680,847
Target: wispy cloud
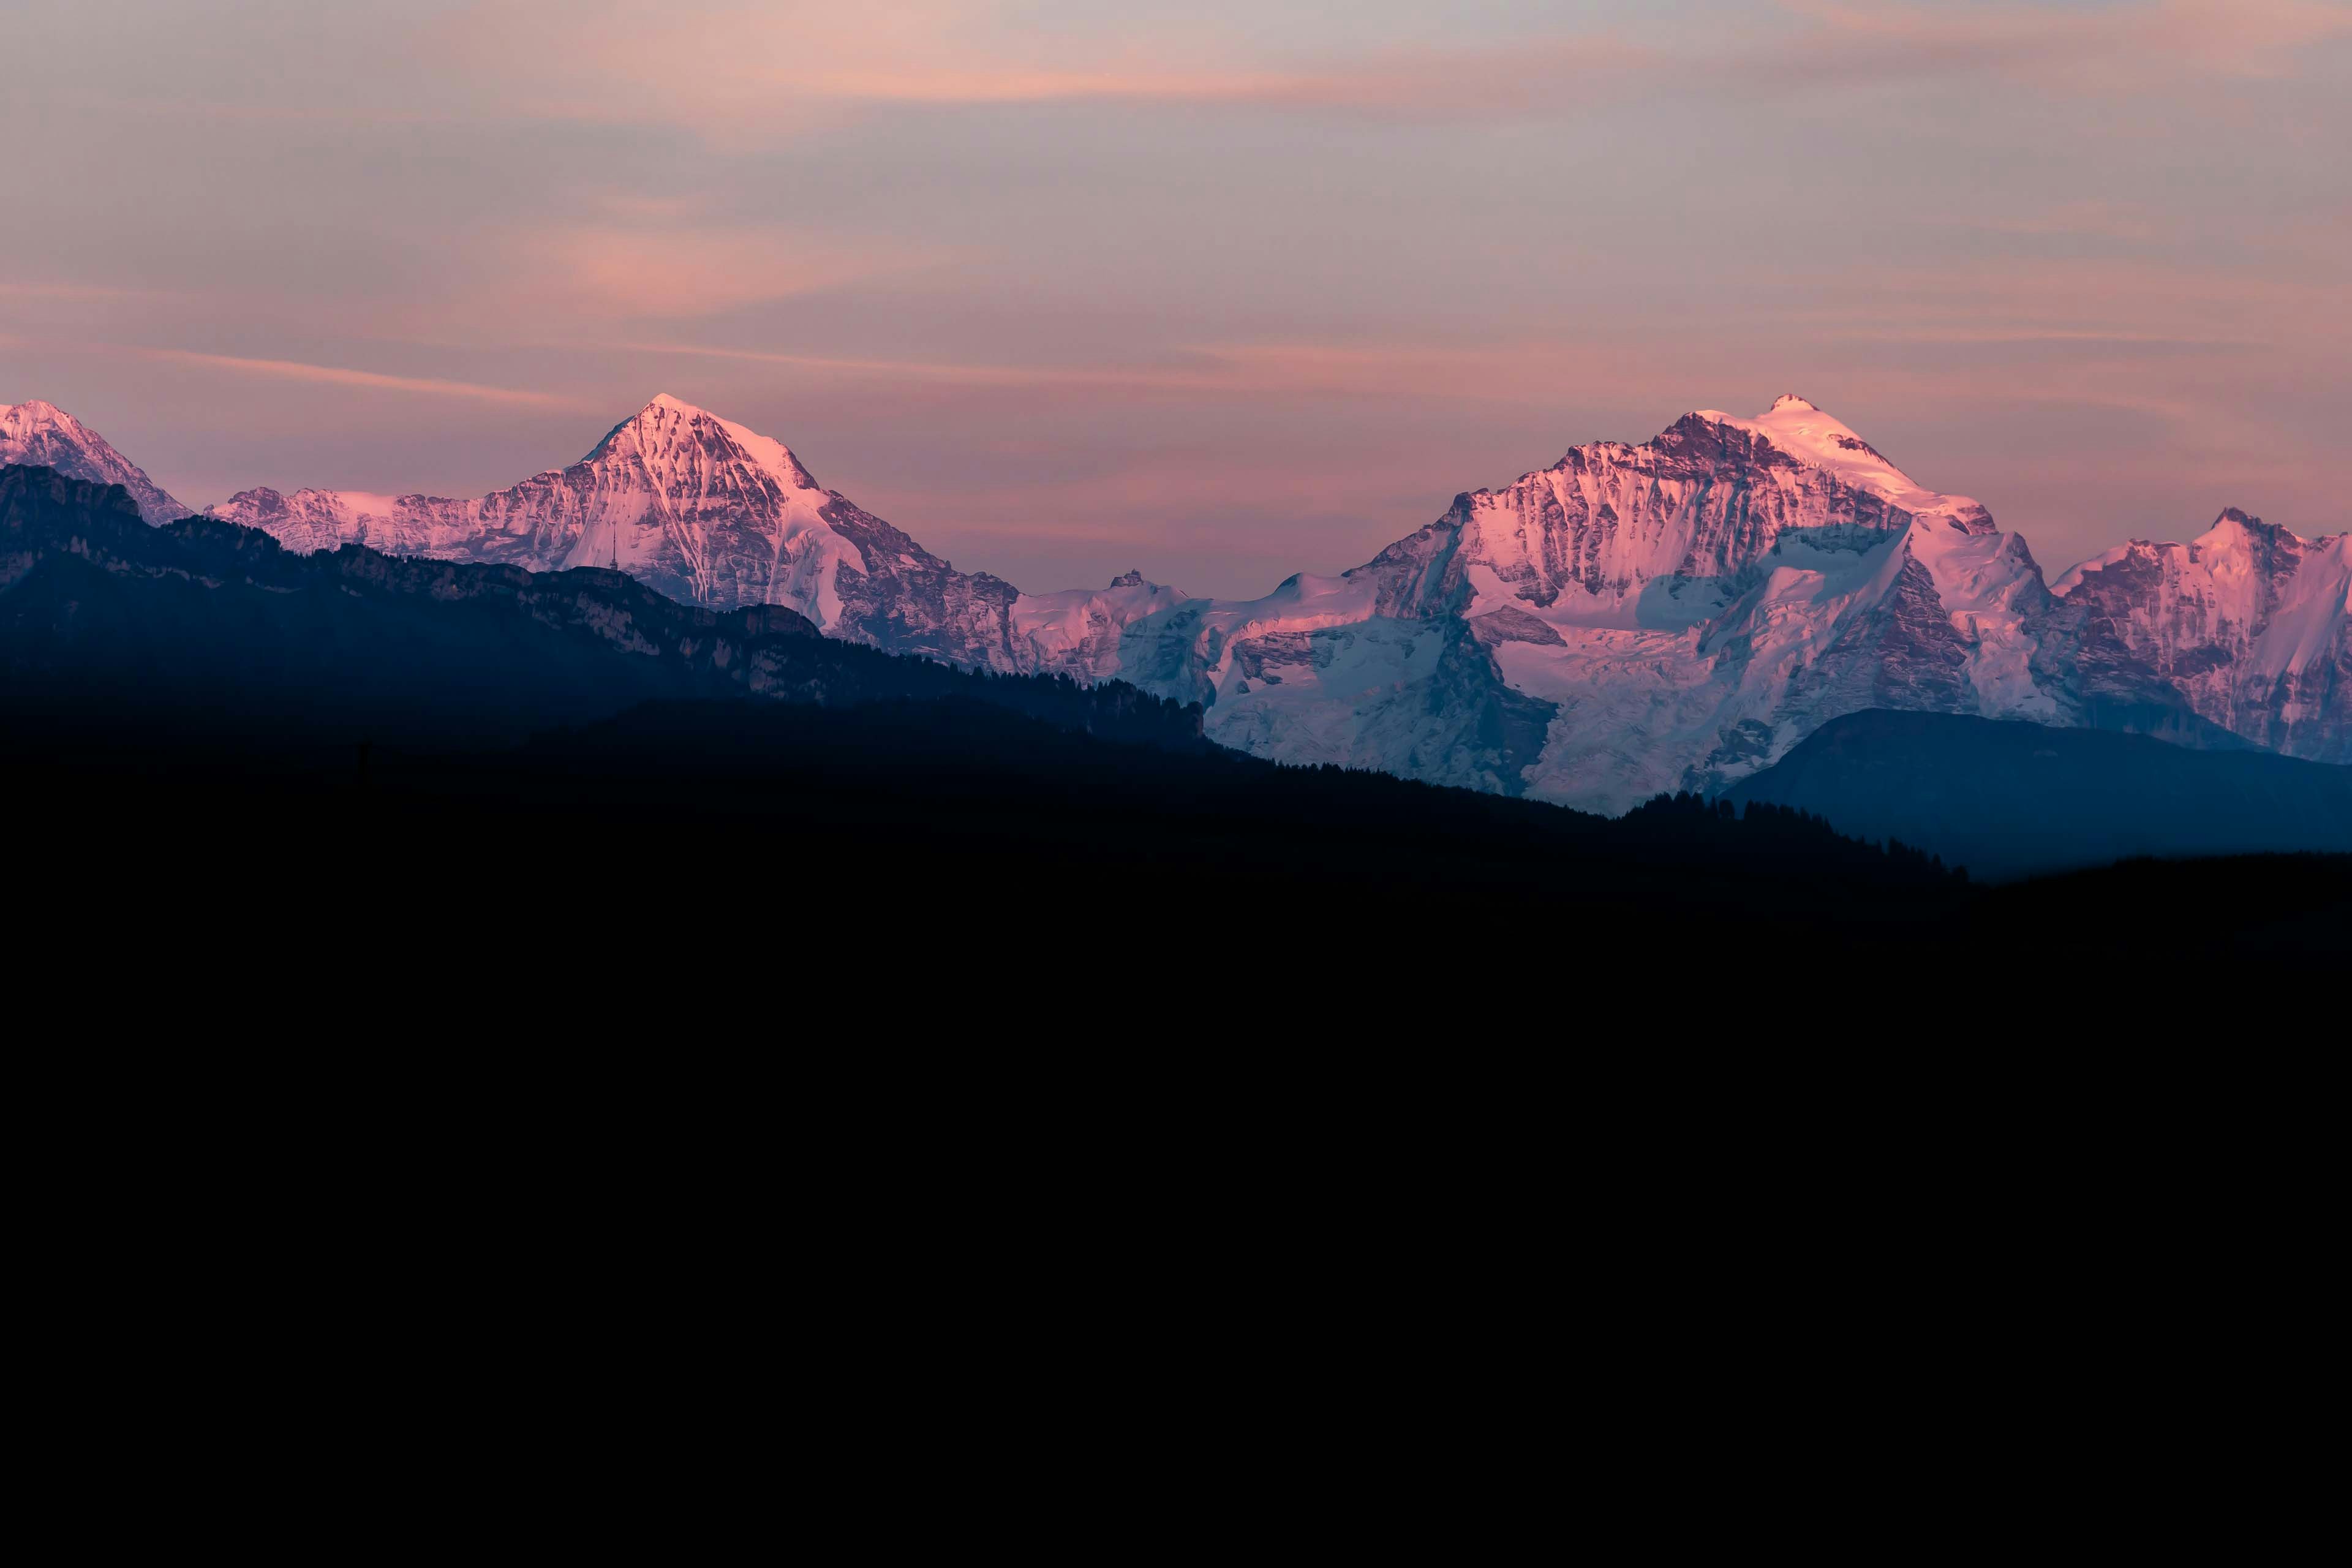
2024,335
729,68
1128,263
340,376
677,271
1532,78
76,293
1205,377
1503,373
2124,42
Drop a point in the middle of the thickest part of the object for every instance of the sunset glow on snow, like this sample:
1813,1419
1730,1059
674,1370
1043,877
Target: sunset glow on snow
1215,291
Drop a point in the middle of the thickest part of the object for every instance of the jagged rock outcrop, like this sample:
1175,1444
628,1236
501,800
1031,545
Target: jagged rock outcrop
2248,627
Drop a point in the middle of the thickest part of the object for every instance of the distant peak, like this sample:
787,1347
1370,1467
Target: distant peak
2235,524
1789,400
1129,580
664,407
39,432
668,423
38,411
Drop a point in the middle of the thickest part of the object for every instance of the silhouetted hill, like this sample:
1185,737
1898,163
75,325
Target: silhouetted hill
211,629
2009,799
248,777
2254,941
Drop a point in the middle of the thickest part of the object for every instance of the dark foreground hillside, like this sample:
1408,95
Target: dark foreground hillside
201,630
717,860
941,826
2010,799
270,793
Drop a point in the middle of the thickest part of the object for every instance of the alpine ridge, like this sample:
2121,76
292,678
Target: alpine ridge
38,434
2245,625
1634,620
1672,615
1678,615
697,508
202,630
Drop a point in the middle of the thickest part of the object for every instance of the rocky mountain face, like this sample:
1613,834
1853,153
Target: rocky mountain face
697,508
1679,614
42,432
1636,618
1673,615
2248,627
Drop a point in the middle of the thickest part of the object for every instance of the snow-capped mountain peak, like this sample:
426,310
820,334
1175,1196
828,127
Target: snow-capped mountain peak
1675,614
1822,441
39,432
2237,531
665,430
2226,546
2249,626
704,509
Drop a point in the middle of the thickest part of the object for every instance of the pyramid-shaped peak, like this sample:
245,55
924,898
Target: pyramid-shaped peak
2234,525
662,415
663,404
37,413
39,432
2233,521
669,425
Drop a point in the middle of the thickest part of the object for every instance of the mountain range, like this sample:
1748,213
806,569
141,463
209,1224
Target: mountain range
203,631
1674,615
331,773
460,766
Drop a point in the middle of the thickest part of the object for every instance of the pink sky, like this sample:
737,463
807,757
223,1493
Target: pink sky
1217,290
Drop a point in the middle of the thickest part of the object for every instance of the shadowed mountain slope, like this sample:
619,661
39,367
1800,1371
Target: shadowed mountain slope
2009,799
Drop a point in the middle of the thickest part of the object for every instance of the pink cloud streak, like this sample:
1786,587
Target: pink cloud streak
730,70
339,375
